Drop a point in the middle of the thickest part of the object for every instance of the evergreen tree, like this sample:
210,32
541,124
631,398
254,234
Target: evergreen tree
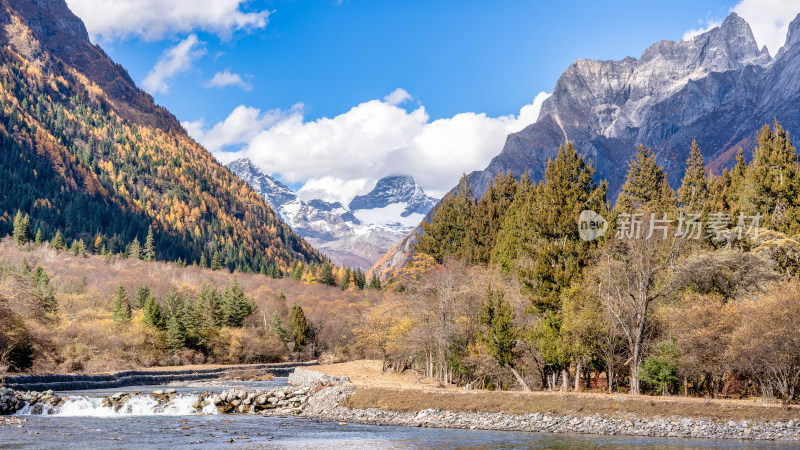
500,336
134,249
149,253
22,228
152,314
277,328
78,248
121,307
345,281
446,234
38,239
375,282
236,306
176,334
143,294
58,241
216,261
359,278
301,328
487,218
203,264
326,275
771,184
297,272
646,186
512,230
552,247
693,193
209,306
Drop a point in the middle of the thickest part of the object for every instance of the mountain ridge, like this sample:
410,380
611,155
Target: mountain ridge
717,88
356,235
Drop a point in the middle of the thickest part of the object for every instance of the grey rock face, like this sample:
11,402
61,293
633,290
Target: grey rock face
718,88
273,191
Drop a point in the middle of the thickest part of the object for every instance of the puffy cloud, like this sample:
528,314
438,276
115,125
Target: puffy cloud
154,19
172,62
769,20
242,125
705,26
397,97
227,78
342,156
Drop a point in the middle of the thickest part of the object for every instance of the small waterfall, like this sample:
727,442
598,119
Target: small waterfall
135,405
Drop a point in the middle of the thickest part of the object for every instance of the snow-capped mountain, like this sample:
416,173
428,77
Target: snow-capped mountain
356,235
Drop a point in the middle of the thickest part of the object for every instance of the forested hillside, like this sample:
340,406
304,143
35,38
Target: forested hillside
79,160
692,291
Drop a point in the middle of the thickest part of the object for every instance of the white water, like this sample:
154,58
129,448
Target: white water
137,405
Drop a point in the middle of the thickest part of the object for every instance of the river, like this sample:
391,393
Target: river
82,422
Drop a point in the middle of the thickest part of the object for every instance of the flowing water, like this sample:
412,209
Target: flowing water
84,422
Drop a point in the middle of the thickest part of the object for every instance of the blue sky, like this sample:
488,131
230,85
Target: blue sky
322,69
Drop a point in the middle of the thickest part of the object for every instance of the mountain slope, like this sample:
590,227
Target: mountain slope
717,88
87,153
356,235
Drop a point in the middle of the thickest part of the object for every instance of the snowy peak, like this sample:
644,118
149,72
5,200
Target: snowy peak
395,190
273,191
355,236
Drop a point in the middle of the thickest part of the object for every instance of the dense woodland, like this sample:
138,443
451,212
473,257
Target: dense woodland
76,168
692,291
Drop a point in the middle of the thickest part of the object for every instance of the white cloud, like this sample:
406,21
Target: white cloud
705,26
172,62
339,157
227,78
241,126
397,97
769,20
154,19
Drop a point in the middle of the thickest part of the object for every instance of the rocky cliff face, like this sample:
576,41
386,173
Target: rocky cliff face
356,235
59,32
718,88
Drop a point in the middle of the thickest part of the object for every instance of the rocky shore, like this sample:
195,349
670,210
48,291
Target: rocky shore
325,405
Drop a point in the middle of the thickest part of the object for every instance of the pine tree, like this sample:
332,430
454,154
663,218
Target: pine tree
501,333
375,282
446,234
515,221
359,279
277,328
549,238
58,241
152,314
297,272
693,193
143,294
203,264
134,249
216,261
149,253
301,328
176,334
121,307
38,239
346,275
326,275
236,306
646,186
487,218
209,306
22,228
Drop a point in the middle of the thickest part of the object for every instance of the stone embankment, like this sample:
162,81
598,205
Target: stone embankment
74,382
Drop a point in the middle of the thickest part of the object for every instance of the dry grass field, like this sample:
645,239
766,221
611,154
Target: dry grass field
408,392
